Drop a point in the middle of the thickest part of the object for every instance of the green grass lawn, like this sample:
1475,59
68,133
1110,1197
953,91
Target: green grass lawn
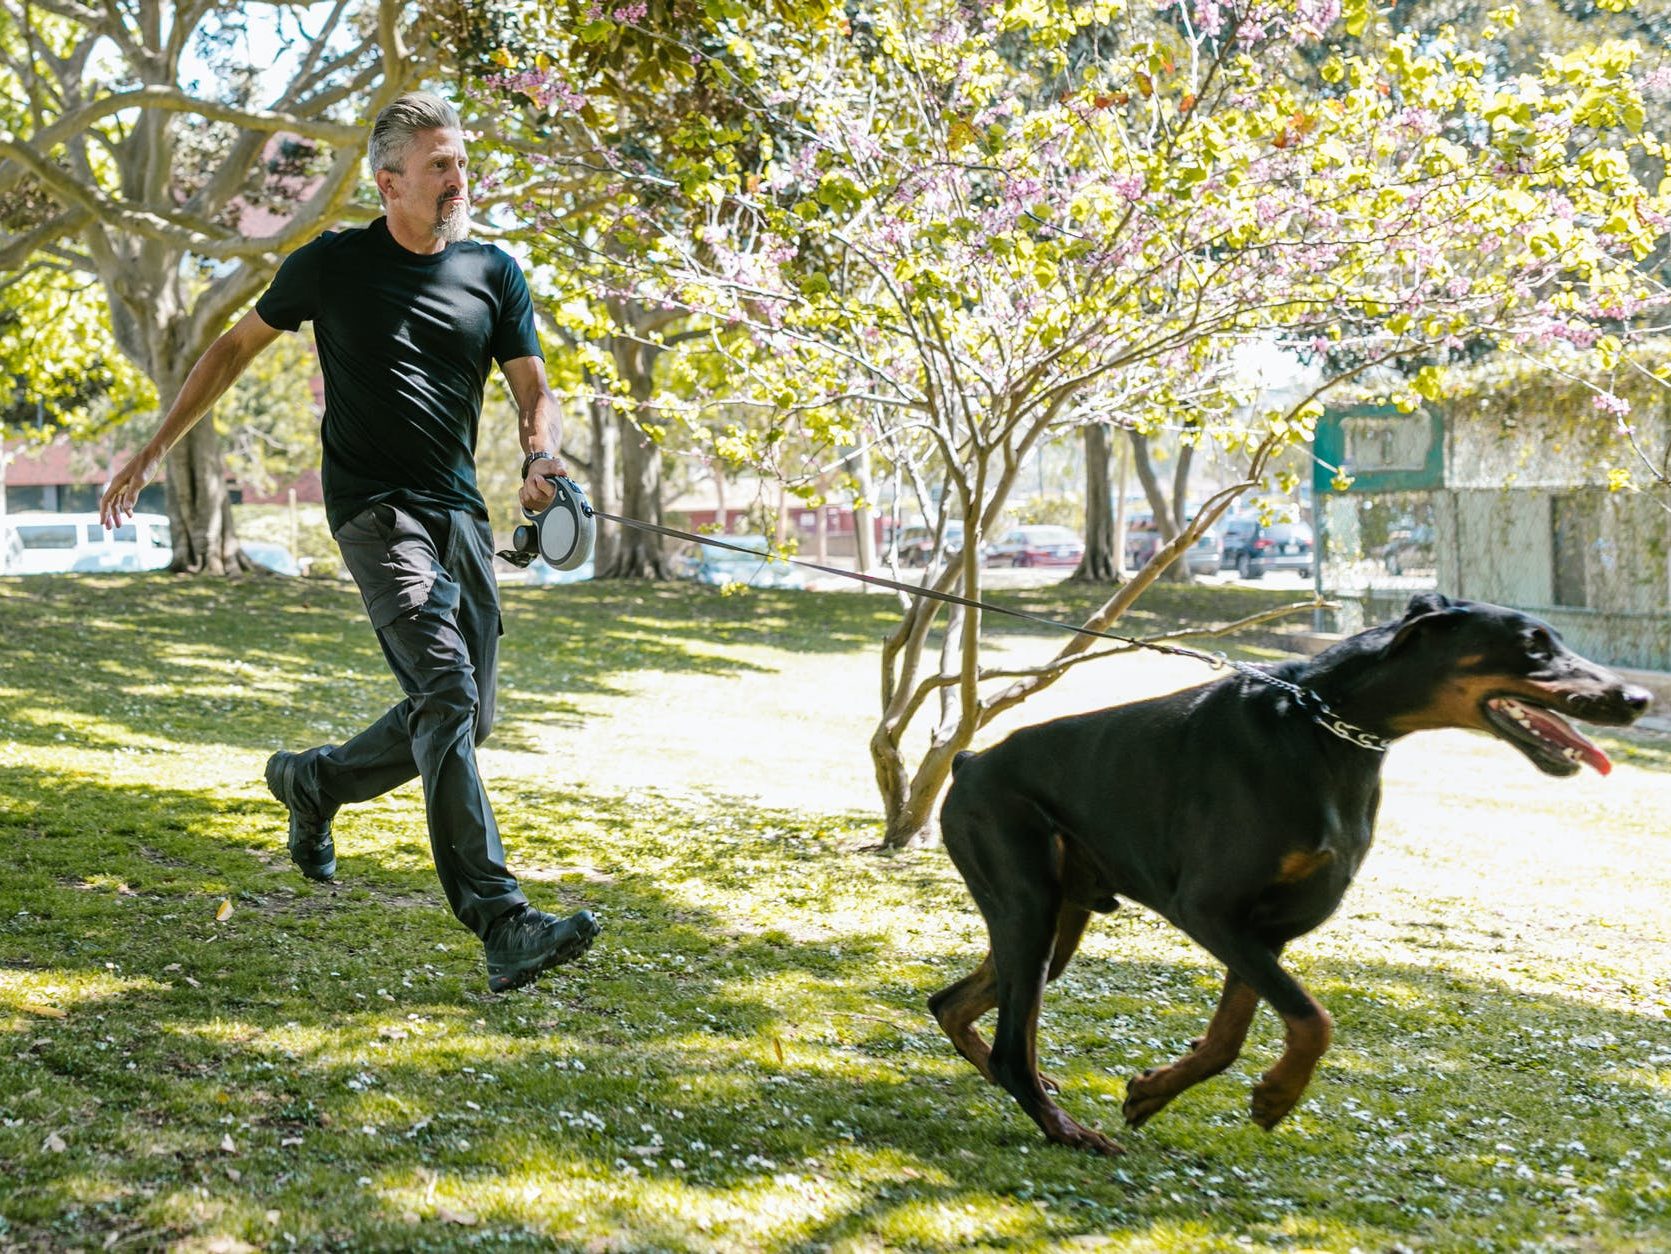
200,1050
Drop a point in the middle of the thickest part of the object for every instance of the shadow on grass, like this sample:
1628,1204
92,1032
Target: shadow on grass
703,1079
106,660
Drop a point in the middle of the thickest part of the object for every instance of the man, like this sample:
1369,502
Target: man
408,317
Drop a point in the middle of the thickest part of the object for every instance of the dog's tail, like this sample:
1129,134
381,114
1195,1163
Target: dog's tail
960,757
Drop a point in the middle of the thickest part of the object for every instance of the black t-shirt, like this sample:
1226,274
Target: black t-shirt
405,343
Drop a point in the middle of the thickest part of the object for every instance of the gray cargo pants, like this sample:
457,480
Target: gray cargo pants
426,576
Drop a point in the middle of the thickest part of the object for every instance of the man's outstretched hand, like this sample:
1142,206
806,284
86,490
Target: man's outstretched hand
122,495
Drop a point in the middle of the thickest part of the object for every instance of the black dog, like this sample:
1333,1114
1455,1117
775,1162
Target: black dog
1250,821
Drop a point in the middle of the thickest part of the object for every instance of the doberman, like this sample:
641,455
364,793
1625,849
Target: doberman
1249,824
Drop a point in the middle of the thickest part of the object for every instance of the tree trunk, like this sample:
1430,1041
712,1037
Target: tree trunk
910,815
637,554
1101,562
1180,485
864,519
606,463
907,800
199,507
1165,523
1122,481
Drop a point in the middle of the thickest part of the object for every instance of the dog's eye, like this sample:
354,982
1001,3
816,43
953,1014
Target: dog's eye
1540,644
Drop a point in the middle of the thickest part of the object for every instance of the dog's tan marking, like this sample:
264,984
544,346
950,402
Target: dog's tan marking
1298,864
1456,704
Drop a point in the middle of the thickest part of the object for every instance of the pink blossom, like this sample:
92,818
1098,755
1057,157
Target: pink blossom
631,13
1420,122
1618,406
1656,83
1131,186
1209,17
1316,16
541,86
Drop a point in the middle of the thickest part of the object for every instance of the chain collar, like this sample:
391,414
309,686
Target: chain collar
1313,704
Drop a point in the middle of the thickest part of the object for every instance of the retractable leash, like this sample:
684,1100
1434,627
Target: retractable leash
563,533
570,520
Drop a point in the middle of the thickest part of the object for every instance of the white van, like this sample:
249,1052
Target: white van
43,544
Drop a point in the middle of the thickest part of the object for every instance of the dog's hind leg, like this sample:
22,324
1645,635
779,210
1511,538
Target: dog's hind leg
1011,859
1022,941
1148,1093
957,1006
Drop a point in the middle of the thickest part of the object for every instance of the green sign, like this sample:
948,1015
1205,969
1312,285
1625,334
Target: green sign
1379,449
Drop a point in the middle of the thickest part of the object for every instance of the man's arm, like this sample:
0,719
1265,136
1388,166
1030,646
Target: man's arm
539,429
214,372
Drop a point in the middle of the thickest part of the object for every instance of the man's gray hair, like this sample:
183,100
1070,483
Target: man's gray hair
392,132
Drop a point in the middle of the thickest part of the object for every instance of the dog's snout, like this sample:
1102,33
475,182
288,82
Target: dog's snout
1636,699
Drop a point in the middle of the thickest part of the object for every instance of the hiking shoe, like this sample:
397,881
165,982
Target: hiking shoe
311,847
528,941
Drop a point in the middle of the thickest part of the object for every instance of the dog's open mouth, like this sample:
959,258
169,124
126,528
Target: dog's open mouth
1544,736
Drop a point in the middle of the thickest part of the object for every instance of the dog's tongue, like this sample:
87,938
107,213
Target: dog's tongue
1557,731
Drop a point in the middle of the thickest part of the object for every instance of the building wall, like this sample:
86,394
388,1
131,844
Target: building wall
71,477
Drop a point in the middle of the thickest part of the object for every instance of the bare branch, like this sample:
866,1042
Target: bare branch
16,249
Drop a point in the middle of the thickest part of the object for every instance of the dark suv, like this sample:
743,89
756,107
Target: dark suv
1253,548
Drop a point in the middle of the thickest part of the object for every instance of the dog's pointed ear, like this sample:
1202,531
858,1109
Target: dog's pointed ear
1426,603
1427,611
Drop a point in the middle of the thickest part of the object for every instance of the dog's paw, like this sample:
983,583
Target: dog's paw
1144,1099
1271,1102
1078,1136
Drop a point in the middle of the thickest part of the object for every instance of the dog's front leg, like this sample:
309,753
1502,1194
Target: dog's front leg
1148,1093
1253,961
1308,1036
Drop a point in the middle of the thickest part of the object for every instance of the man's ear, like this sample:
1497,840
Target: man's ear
1428,611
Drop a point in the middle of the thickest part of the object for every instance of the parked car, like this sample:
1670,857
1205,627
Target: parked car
756,568
275,557
1253,547
1036,544
1409,546
41,544
915,546
1204,557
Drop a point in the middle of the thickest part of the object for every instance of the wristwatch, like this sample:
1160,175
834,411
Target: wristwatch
533,457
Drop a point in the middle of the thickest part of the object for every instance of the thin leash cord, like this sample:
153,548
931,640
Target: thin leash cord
1305,698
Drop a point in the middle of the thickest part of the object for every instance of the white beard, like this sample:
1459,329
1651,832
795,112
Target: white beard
454,226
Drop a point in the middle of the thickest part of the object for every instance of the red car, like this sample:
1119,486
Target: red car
1036,545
